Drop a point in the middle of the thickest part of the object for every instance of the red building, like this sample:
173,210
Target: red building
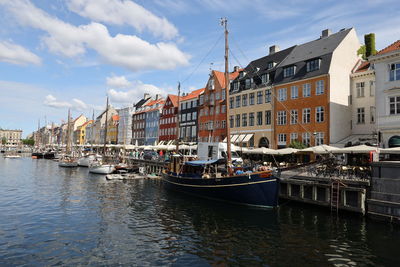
168,119
212,108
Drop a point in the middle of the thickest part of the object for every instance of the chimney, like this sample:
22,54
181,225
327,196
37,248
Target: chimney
158,96
273,49
326,33
236,69
146,95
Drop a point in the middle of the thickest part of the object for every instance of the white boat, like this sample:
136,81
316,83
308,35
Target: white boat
86,160
100,168
12,156
68,163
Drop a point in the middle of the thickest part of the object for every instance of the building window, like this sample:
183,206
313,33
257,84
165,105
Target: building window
294,92
223,124
251,100
211,84
319,114
223,94
194,103
244,100
360,115
259,118
372,114
319,138
244,119
360,89
289,71
235,86
270,65
306,90
394,73
394,105
238,101
265,78
211,111
268,117
313,65
259,97
251,119
216,110
281,117
320,88
201,99
231,100
306,115
294,115
306,139
281,139
247,83
293,137
223,109
282,94
238,120
231,121
267,95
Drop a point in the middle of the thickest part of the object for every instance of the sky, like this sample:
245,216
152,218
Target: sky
61,54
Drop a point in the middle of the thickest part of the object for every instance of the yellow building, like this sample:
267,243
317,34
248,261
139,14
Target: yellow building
112,131
80,133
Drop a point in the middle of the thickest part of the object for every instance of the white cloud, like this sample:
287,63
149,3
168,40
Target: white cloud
75,104
127,51
122,12
134,93
16,54
118,81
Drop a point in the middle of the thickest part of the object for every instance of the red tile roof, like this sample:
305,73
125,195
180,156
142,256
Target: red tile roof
221,77
174,100
364,66
393,47
86,123
193,94
151,103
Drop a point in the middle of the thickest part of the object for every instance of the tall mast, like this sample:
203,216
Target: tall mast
106,128
38,134
177,120
224,22
68,131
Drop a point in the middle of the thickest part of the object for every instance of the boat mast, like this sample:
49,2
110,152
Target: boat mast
105,130
177,120
224,22
68,132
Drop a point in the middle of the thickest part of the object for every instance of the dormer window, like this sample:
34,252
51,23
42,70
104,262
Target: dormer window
289,71
271,65
248,83
265,78
235,86
313,64
242,74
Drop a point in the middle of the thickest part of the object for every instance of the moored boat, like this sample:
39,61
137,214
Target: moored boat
86,160
99,168
68,162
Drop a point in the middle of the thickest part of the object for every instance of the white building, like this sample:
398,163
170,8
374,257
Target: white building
387,74
125,125
10,137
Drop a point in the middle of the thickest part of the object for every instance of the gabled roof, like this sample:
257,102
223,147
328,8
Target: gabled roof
364,66
193,94
141,102
154,102
86,123
393,47
220,76
174,99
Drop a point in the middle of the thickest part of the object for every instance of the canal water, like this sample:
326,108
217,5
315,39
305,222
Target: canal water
55,216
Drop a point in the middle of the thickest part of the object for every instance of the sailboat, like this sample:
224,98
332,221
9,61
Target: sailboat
206,178
86,159
99,166
68,160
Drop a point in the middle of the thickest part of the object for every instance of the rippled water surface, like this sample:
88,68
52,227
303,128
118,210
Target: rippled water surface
55,216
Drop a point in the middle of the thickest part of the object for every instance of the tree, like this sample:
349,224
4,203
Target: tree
3,141
297,144
29,142
361,51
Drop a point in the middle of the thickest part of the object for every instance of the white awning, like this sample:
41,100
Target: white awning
233,138
247,138
240,138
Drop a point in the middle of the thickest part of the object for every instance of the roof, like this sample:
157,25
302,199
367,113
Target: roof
193,94
86,123
393,47
154,102
141,102
115,117
317,48
364,66
220,76
174,100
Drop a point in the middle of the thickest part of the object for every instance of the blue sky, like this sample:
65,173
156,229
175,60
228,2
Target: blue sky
60,54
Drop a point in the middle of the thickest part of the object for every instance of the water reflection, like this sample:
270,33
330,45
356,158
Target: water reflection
54,216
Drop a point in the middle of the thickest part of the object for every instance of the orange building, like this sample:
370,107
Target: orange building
212,108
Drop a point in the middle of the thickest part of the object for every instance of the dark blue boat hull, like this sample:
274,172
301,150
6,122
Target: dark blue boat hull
247,189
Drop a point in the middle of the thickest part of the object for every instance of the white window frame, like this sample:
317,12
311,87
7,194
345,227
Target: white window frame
319,87
294,92
306,119
307,90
